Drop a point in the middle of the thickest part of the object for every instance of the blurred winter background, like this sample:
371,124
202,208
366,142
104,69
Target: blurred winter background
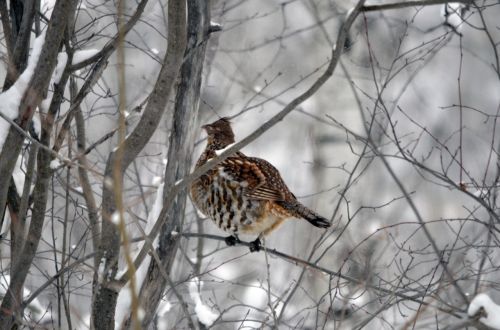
417,92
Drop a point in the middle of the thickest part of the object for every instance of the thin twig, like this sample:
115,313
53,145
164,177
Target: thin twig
170,197
298,261
406,4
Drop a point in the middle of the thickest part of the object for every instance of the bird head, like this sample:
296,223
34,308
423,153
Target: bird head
220,134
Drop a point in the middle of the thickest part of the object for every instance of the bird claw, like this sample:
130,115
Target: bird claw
255,245
232,240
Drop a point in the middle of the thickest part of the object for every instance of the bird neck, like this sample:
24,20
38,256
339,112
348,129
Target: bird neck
207,154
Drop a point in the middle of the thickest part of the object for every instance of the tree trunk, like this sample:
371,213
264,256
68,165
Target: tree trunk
105,287
181,144
11,308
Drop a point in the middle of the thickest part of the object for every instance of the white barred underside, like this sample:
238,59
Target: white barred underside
229,208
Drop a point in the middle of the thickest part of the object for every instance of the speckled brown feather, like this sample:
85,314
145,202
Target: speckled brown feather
244,194
264,180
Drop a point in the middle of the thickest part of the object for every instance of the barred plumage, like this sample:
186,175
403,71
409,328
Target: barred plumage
244,194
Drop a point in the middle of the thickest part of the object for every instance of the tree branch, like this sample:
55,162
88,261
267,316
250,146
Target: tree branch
105,303
174,190
406,4
297,261
10,308
181,144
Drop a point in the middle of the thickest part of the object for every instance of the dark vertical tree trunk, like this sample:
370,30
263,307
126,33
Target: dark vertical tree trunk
34,93
11,308
21,20
106,287
181,144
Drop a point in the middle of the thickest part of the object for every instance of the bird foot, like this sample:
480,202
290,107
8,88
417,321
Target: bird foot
232,240
255,245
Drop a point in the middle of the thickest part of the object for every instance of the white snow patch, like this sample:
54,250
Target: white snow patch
82,55
62,59
155,51
46,7
156,180
164,161
11,98
452,13
115,218
37,124
203,312
79,189
491,310
164,308
54,164
18,175
215,24
174,233
123,303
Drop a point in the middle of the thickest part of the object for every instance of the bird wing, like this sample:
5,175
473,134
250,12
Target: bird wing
261,179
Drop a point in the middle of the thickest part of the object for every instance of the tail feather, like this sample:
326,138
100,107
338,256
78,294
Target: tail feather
318,221
300,211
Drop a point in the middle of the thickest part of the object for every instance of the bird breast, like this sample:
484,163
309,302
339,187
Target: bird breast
223,200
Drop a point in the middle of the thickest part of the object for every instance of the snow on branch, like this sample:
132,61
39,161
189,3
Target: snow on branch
487,310
203,312
62,59
11,98
82,55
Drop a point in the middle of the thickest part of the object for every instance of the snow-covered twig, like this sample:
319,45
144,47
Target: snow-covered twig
487,311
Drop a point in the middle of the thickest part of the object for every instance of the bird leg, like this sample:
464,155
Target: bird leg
232,240
255,245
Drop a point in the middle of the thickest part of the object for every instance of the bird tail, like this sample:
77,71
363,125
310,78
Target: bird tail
300,211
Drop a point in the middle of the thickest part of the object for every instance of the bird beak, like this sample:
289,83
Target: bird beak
204,127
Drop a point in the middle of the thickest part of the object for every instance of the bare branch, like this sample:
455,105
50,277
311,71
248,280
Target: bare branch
406,4
170,197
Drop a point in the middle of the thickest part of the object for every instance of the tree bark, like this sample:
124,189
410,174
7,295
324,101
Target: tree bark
18,59
181,144
34,94
11,308
106,289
